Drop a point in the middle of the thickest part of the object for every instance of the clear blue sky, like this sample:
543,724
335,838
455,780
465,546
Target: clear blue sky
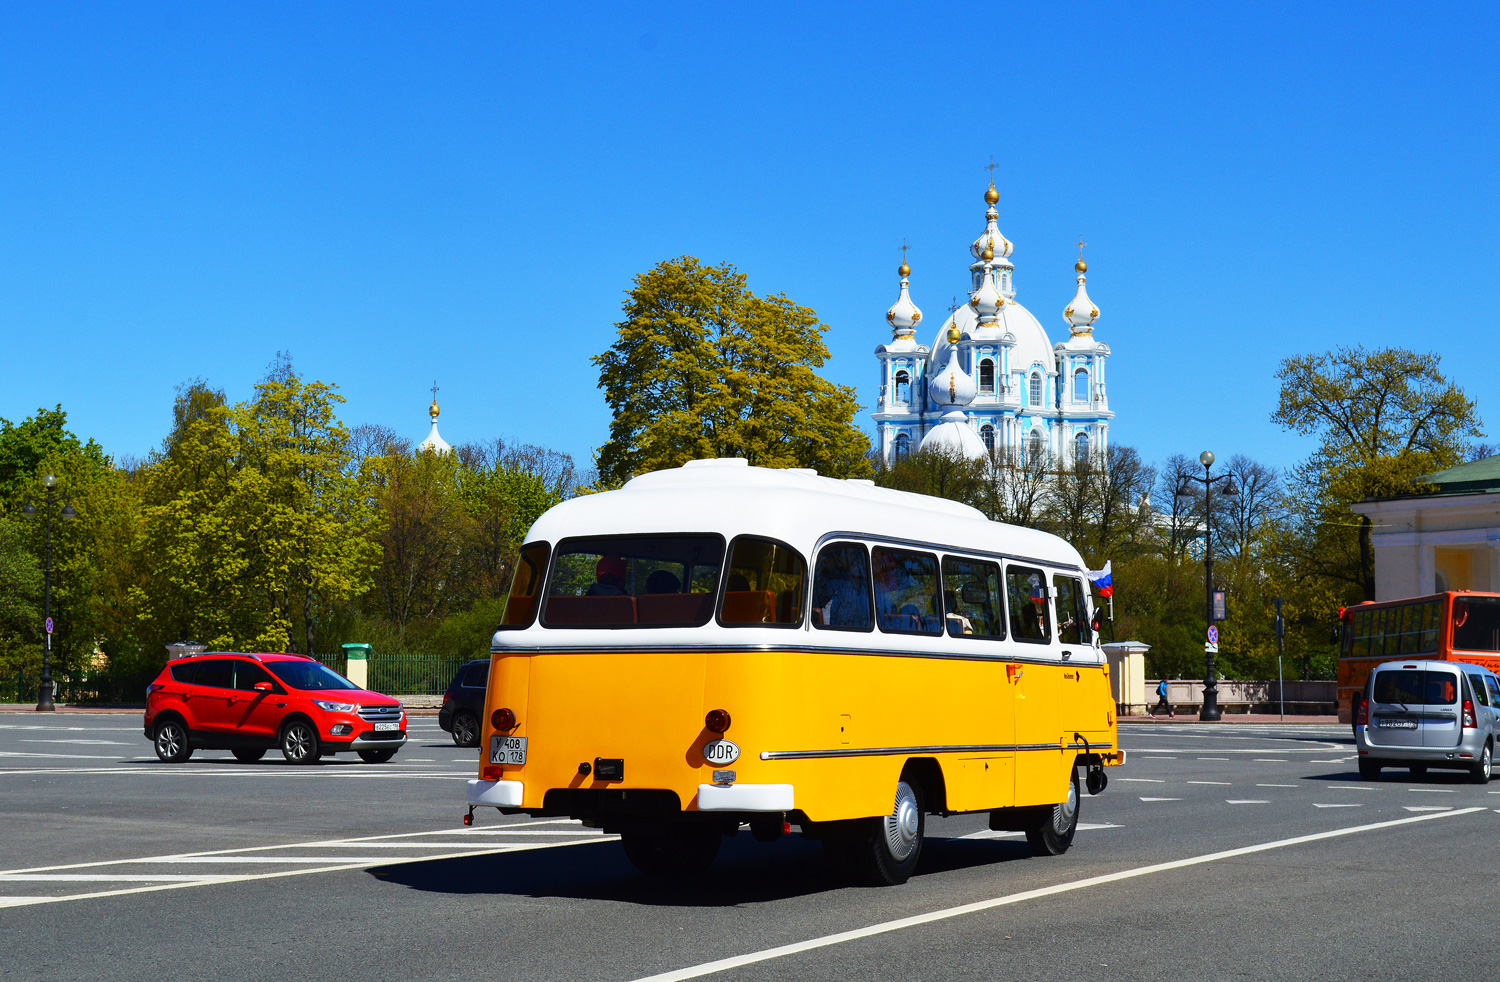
402,193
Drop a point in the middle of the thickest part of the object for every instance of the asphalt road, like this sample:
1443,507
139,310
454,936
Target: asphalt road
1223,851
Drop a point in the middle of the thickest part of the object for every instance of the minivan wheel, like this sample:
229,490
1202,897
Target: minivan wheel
171,742
465,730
299,742
1418,770
1369,770
1480,773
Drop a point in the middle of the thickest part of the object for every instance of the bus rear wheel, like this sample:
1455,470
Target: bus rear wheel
672,852
886,853
1054,834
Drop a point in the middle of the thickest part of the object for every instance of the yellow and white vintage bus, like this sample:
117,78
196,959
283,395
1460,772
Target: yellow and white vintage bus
718,645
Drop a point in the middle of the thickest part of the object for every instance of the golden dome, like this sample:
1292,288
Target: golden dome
903,270
1081,266
433,410
953,334
991,196
989,251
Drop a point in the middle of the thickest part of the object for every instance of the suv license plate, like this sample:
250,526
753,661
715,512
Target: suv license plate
379,727
507,750
1398,724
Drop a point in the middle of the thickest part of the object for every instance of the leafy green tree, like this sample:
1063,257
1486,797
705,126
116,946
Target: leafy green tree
704,368
942,473
1382,419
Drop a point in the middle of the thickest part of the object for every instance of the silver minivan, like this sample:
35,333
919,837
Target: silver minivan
1421,714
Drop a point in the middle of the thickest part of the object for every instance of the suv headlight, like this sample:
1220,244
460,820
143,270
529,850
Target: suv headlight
335,707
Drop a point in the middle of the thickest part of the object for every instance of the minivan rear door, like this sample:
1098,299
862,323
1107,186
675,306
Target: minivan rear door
1406,704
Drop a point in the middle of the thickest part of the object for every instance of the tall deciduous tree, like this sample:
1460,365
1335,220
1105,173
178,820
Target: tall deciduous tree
704,368
1382,419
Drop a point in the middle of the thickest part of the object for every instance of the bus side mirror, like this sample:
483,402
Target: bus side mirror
1103,626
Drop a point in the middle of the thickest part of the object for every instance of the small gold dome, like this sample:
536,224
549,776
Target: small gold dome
991,196
953,334
903,270
1081,266
989,251
433,410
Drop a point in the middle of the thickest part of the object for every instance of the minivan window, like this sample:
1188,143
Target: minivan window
1415,687
1476,682
1494,688
841,588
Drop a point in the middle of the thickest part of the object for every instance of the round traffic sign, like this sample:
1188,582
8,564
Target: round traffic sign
1213,634
49,625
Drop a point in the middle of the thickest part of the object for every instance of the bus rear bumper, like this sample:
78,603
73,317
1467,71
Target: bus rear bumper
500,794
745,798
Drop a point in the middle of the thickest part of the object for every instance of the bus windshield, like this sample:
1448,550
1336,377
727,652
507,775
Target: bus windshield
634,581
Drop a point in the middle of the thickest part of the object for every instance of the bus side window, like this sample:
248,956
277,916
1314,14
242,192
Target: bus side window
841,589
971,595
906,592
1026,593
525,588
1072,614
764,584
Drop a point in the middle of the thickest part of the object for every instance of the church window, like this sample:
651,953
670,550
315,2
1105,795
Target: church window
1036,389
1081,386
1081,446
903,445
903,388
1034,446
987,434
986,376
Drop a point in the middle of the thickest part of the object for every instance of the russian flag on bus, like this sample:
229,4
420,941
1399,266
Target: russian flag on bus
1103,580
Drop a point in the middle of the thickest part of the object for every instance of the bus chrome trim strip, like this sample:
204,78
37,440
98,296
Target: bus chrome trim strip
801,649
950,749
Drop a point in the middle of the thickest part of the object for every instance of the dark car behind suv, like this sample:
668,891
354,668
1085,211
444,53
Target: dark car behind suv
463,703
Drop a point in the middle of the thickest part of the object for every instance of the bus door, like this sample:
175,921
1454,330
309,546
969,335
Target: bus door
974,611
1037,684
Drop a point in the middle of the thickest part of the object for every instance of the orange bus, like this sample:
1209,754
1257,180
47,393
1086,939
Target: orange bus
1459,625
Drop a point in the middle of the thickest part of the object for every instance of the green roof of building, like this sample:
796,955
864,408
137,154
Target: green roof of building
1476,476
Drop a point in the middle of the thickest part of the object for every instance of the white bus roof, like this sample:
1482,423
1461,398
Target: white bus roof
797,506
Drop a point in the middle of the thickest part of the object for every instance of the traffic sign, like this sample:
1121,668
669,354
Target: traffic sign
49,625
1213,634
1211,649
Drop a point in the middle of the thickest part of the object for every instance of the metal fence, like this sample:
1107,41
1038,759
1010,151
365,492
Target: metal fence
404,674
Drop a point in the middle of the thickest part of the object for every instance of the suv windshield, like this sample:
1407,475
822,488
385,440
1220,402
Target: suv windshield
309,675
1414,687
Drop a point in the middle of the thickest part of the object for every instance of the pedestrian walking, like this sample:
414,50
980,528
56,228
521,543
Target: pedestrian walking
1161,700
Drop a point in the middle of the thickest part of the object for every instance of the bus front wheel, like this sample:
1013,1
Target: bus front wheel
1054,834
672,852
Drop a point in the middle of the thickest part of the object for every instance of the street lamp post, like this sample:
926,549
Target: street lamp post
44,703
1210,710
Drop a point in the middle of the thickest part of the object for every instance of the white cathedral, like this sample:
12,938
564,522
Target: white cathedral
993,384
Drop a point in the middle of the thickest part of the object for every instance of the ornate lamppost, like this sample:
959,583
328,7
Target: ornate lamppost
44,702
1210,710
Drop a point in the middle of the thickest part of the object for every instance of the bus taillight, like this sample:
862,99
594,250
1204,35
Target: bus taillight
503,719
717,720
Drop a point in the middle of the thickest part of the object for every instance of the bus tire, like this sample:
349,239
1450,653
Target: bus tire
1054,834
1369,770
672,852
888,853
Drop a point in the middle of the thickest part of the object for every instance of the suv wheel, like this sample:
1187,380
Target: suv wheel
465,730
299,742
171,741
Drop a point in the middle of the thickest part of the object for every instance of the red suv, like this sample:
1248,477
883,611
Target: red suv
251,703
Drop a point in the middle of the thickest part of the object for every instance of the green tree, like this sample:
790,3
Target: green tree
1382,419
704,368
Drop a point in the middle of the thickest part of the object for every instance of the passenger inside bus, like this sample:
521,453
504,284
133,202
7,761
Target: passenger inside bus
906,591
609,578
662,581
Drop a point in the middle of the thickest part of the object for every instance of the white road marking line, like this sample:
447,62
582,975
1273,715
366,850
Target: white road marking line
1246,801
1270,760
1428,808
1158,758
1349,787
781,951
1275,785
1435,790
25,753
376,860
420,760
992,834
1144,780
1214,758
1179,799
1352,804
243,770
93,743
1224,783
109,878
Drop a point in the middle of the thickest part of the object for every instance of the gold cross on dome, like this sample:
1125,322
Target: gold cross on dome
434,391
903,252
991,168
1081,244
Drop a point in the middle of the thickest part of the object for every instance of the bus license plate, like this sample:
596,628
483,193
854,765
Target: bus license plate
507,750
381,727
1398,724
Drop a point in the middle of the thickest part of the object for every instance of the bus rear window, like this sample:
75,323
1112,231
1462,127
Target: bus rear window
520,607
764,584
1415,687
1476,623
634,581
